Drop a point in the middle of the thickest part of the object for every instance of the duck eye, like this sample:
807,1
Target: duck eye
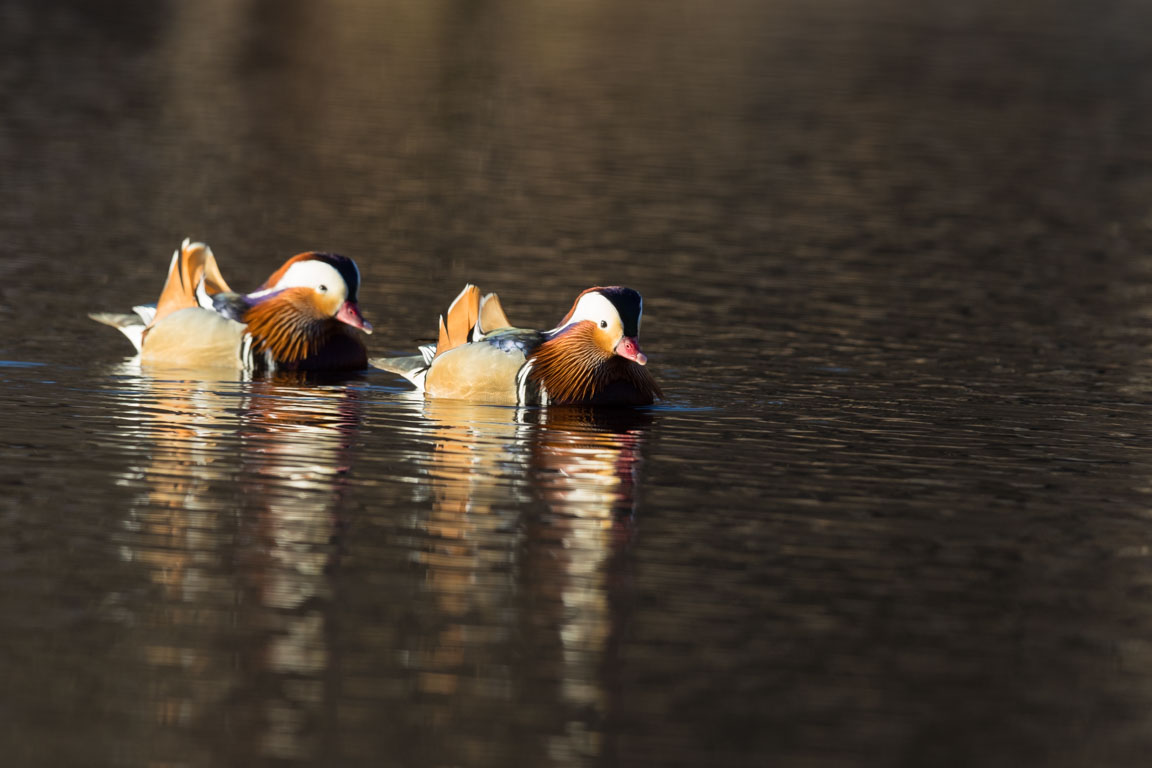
323,289
603,323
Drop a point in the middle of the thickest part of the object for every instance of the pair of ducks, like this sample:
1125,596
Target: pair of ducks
305,317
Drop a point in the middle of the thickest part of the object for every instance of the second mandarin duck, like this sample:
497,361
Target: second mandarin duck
304,317
591,358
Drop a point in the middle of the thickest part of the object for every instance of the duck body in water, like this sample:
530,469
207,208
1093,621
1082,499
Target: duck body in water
592,357
305,317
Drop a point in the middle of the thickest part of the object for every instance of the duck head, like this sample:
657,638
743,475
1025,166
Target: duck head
594,354
304,305
329,281
613,316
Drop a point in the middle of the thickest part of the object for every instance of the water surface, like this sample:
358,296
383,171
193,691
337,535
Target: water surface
894,510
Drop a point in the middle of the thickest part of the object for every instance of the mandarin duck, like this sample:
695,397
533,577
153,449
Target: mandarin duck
304,317
590,358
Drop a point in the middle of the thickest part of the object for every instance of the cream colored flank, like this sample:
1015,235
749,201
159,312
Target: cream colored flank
194,337
478,372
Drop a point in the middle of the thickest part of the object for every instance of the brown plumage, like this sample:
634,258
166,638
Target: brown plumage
304,317
290,326
573,367
592,358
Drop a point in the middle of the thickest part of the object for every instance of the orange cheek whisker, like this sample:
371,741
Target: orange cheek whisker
574,368
288,326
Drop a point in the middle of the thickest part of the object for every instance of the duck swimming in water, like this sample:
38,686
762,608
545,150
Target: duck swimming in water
591,358
304,317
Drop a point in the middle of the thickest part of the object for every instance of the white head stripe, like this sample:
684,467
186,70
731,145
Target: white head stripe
309,274
595,307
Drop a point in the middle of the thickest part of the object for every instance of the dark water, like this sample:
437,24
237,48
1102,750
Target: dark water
895,511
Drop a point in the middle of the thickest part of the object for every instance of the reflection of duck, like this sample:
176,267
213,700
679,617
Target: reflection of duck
247,565
300,319
530,510
587,468
591,357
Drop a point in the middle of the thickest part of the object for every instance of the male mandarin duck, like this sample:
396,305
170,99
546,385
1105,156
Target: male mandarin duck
304,317
591,358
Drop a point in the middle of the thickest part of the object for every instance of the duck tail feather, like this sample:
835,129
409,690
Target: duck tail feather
130,325
412,367
491,315
193,267
456,327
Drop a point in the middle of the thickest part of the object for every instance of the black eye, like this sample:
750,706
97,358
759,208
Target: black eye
323,289
603,323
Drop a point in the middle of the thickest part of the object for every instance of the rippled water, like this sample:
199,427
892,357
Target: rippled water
893,512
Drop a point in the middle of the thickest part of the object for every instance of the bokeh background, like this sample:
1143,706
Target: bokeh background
894,511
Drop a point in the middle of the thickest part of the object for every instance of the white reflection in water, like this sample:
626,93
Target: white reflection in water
522,517
577,477
234,522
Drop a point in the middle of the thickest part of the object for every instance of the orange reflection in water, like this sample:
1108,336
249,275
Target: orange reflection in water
522,518
234,524
530,512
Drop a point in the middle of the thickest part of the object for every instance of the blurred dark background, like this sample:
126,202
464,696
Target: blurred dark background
738,152
894,260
